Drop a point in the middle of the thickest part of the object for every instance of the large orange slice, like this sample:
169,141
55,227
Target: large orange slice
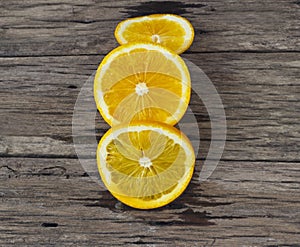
142,81
145,164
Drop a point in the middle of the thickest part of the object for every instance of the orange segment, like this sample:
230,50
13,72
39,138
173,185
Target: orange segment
145,164
171,31
142,82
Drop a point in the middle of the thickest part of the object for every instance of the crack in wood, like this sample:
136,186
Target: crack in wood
72,86
49,224
53,171
10,172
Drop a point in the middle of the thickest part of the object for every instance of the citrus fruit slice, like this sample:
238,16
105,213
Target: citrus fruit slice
145,164
142,81
171,31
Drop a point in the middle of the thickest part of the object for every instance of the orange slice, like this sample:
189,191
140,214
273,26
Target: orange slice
145,164
171,31
142,81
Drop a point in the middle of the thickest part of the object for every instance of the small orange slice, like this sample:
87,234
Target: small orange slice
171,31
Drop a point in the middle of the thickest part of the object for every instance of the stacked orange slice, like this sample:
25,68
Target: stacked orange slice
142,81
172,31
145,164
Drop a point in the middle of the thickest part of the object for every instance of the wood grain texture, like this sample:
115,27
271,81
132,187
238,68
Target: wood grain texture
250,51
260,94
36,27
58,204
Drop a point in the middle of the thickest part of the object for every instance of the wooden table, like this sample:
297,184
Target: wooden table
250,51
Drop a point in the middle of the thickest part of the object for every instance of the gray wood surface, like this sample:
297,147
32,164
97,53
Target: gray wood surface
249,49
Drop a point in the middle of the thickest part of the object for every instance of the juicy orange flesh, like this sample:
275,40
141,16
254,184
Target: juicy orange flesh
129,178
160,102
137,62
170,33
167,93
146,198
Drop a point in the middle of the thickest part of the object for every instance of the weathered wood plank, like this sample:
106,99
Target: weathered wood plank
73,28
46,201
260,93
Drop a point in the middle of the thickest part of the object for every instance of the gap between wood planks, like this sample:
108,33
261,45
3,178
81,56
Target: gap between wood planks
55,156
187,52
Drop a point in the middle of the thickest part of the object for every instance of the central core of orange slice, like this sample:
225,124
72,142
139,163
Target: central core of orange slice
145,162
141,88
156,38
